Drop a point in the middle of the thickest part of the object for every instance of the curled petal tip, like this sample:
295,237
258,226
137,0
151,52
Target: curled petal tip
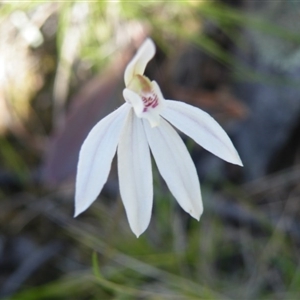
149,46
139,62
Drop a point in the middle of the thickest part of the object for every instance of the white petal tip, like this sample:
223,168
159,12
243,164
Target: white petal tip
237,161
79,211
149,46
198,219
137,233
76,214
137,229
139,62
233,158
195,215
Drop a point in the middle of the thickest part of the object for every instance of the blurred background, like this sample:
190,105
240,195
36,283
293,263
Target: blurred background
61,71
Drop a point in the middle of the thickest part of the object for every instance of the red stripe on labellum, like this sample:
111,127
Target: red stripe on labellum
150,101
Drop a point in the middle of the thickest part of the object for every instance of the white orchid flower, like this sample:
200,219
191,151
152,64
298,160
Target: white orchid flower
145,120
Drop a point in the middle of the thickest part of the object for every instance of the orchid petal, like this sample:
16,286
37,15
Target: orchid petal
202,128
135,174
139,62
176,166
95,158
151,112
134,100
